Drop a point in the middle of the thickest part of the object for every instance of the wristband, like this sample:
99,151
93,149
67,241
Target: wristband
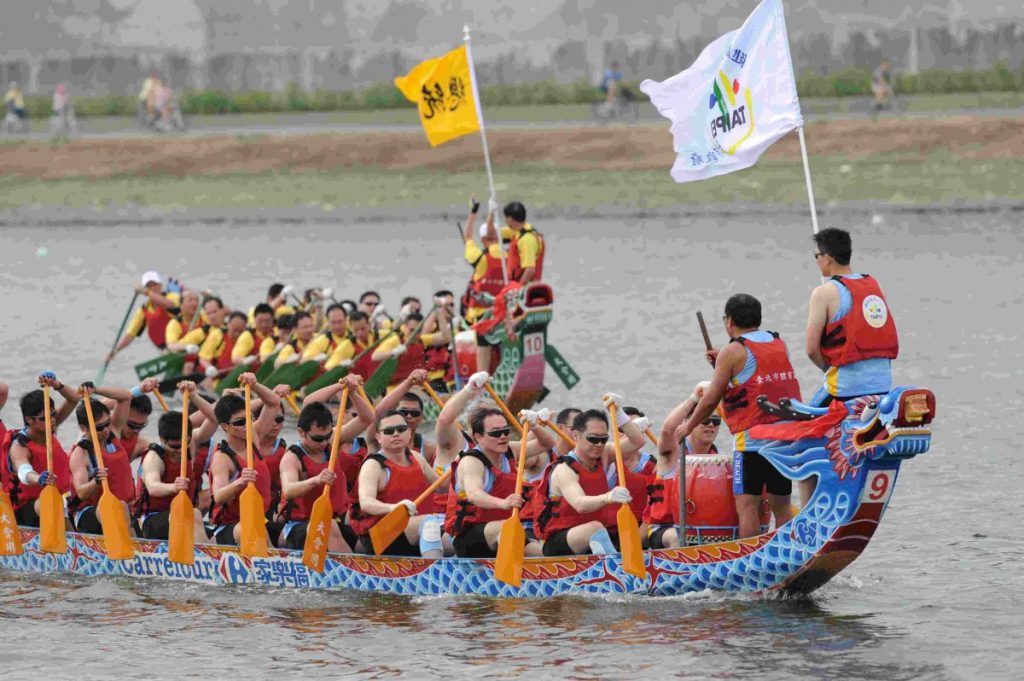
137,391
23,471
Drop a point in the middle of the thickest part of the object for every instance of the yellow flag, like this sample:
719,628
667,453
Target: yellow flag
443,89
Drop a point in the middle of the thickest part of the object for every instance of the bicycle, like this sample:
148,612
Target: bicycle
623,107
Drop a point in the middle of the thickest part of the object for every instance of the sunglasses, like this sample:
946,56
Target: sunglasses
135,425
372,303
394,430
819,255
320,439
103,426
410,413
712,421
237,422
597,439
279,418
173,444
498,432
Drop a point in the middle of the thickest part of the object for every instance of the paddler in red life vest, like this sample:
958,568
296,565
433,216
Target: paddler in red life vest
304,473
526,252
86,473
154,314
139,410
564,421
411,343
228,473
574,508
161,467
661,514
752,364
439,364
409,405
483,488
23,469
352,451
305,327
395,476
257,341
851,333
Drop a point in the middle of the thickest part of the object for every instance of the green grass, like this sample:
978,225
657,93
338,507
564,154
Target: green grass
886,179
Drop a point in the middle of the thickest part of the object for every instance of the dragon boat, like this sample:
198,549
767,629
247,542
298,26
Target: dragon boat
855,450
518,376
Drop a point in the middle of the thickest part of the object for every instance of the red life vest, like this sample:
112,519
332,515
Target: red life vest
439,502
554,515
227,514
156,323
438,358
493,280
414,357
201,461
351,461
223,360
515,269
638,482
273,461
145,502
526,513
404,482
867,331
500,310
364,366
461,514
119,472
19,492
130,441
300,508
773,378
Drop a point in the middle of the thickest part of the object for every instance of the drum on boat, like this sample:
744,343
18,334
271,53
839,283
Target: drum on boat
710,504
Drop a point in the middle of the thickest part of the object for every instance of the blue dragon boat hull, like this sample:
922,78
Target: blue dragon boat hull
856,459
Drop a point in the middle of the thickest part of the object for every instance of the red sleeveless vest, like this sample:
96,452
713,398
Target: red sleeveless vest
868,330
461,514
553,515
300,508
227,514
19,492
156,323
119,473
145,502
404,482
773,378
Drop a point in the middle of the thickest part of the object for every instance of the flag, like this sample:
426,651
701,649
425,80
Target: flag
443,89
735,101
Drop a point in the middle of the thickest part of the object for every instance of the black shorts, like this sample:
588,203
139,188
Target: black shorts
26,516
296,539
481,341
656,537
156,525
86,521
752,473
399,547
473,544
558,544
225,534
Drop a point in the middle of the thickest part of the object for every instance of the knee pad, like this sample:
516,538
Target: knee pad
430,536
601,542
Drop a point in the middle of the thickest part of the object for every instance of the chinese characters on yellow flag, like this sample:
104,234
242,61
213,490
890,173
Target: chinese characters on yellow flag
443,89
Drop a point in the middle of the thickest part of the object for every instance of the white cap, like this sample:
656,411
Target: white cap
151,277
483,231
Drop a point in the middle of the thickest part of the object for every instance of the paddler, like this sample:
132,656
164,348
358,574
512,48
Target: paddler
352,451
326,343
139,410
86,474
395,476
574,507
411,341
292,351
228,472
487,279
154,315
371,306
752,364
851,333
161,467
24,470
409,405
639,465
526,252
483,487
257,341
215,352
439,359
361,337
277,295
186,332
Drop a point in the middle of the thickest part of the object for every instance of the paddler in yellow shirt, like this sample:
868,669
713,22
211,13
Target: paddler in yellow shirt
336,333
184,334
276,296
257,341
410,339
361,336
293,349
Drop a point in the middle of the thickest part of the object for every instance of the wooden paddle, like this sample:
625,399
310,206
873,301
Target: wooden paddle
629,530
704,330
290,398
250,502
504,409
52,538
161,400
181,539
508,566
394,523
110,509
10,536
440,404
560,433
314,551
124,322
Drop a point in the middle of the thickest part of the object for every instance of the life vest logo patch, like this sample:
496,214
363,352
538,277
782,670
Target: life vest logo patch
875,311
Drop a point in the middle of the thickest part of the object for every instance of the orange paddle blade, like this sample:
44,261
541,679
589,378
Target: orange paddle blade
52,538
115,526
629,543
508,567
254,523
318,532
181,538
10,537
387,529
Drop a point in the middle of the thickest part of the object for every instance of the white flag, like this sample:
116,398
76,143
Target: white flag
735,101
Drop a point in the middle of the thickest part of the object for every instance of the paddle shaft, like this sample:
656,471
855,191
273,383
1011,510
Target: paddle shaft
336,440
184,433
704,330
504,409
49,430
560,433
521,467
120,330
290,398
161,400
87,401
426,494
249,461
681,475
619,467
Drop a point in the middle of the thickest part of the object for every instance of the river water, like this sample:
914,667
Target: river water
936,595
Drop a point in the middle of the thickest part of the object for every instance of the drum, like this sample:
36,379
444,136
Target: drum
465,353
710,504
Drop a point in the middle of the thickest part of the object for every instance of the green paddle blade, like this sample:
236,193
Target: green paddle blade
170,365
267,368
381,378
327,378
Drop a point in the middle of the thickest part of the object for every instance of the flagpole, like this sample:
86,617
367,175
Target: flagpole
483,140
807,177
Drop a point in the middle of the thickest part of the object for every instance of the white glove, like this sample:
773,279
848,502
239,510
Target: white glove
399,350
478,380
321,358
409,506
405,311
287,289
346,363
249,360
191,349
529,416
642,422
544,414
379,310
621,418
492,205
211,372
613,398
328,292
620,495
698,390
292,360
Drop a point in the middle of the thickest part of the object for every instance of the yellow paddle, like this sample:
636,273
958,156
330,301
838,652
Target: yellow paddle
10,537
629,531
394,523
508,566
651,436
504,409
290,399
161,400
250,502
110,509
52,538
181,540
560,433
440,404
314,551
